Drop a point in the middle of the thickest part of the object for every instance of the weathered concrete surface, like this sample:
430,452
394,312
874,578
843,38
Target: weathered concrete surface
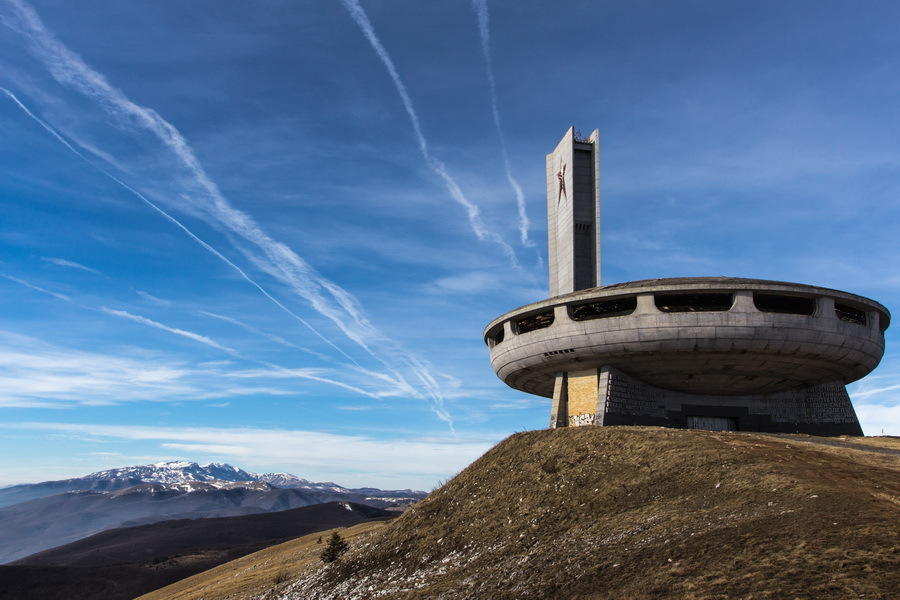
739,351
573,214
618,399
685,352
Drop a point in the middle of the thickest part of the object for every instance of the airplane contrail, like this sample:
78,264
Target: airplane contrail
441,413
282,262
310,374
270,336
69,69
124,314
36,288
173,220
472,211
481,10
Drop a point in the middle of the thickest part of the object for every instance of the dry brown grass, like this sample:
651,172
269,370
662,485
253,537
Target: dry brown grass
640,513
890,442
253,575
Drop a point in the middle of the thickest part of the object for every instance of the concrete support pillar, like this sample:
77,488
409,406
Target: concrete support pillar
825,307
561,314
645,305
603,385
873,321
743,302
559,410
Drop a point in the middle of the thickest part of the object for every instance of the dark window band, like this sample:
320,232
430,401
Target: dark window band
535,321
693,302
791,305
618,307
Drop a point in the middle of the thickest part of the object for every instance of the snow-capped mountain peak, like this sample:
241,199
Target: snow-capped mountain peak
174,472
287,480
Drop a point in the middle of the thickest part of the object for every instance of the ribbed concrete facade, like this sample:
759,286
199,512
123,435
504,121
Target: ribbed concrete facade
698,352
573,214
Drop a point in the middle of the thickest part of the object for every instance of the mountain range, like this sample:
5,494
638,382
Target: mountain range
173,474
35,517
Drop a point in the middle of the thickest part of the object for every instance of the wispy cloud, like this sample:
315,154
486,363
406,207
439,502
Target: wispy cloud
313,374
62,262
467,283
473,213
484,30
206,200
879,419
175,221
398,461
156,324
36,374
269,336
153,299
37,288
373,384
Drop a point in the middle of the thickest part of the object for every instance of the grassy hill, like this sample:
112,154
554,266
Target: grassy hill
263,572
642,513
628,512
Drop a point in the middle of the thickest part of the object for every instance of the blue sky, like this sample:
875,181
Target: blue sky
270,233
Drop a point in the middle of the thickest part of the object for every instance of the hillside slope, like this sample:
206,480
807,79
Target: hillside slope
121,563
265,571
639,513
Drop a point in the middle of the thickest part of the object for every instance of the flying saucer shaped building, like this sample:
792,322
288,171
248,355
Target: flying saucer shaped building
696,352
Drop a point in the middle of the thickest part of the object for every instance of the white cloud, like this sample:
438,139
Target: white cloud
62,262
269,336
879,419
153,299
472,282
37,288
481,10
876,399
157,325
35,374
39,375
473,213
200,196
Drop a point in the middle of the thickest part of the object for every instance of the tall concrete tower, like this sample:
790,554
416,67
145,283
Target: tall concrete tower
573,212
697,352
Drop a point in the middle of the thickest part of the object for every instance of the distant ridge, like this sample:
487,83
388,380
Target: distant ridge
59,512
178,473
120,564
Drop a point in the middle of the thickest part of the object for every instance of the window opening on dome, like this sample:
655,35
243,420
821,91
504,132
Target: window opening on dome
693,302
778,303
618,307
534,321
849,314
494,336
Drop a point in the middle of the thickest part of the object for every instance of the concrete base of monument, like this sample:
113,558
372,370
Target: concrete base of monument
607,396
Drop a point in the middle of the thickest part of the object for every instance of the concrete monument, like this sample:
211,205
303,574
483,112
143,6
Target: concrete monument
699,352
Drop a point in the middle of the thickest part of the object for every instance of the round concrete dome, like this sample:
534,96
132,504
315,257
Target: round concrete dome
701,335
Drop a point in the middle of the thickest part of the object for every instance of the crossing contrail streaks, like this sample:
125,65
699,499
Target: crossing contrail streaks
173,220
481,10
206,200
437,166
